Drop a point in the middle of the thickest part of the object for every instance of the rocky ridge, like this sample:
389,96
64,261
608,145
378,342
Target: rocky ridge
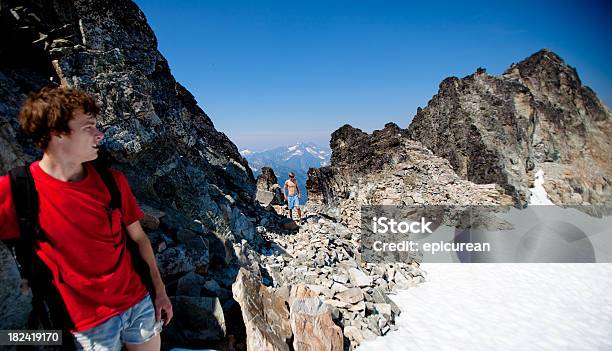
536,116
388,168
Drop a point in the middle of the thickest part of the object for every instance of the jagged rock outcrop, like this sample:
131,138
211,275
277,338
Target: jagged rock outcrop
265,314
536,115
267,179
269,192
313,327
388,168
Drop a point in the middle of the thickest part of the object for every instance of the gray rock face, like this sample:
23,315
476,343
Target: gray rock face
536,115
15,304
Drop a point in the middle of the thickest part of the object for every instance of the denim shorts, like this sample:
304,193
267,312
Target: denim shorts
136,325
293,201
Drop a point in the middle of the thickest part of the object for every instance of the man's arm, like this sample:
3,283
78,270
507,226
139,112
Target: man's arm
162,302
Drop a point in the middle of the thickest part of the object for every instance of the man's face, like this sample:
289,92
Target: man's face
81,145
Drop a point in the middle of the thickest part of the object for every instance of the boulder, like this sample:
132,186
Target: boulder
358,278
264,197
265,315
313,327
268,191
190,285
151,219
352,295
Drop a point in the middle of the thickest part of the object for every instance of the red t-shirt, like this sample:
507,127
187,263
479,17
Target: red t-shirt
85,252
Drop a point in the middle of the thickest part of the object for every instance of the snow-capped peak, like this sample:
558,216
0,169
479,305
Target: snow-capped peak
246,152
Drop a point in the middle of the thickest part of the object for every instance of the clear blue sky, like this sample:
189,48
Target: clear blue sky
270,73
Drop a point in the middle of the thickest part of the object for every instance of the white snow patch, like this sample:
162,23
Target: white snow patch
312,152
296,153
291,148
315,153
246,152
504,306
538,193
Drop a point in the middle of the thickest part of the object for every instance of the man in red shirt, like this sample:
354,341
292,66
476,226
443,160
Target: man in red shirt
85,249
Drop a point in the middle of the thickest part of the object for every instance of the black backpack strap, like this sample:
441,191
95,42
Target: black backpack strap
140,265
25,200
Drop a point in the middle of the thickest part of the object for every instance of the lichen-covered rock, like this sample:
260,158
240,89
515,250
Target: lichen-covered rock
536,115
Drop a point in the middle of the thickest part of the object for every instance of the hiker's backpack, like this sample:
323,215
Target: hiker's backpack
48,309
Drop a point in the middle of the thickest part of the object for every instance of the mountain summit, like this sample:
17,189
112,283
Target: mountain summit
536,116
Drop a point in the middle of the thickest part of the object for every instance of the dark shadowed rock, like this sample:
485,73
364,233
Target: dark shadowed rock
190,285
15,304
198,318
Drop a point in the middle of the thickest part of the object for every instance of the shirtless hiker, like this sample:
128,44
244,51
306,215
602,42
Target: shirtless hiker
293,200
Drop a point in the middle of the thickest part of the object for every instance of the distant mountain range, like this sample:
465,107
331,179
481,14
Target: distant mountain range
296,158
